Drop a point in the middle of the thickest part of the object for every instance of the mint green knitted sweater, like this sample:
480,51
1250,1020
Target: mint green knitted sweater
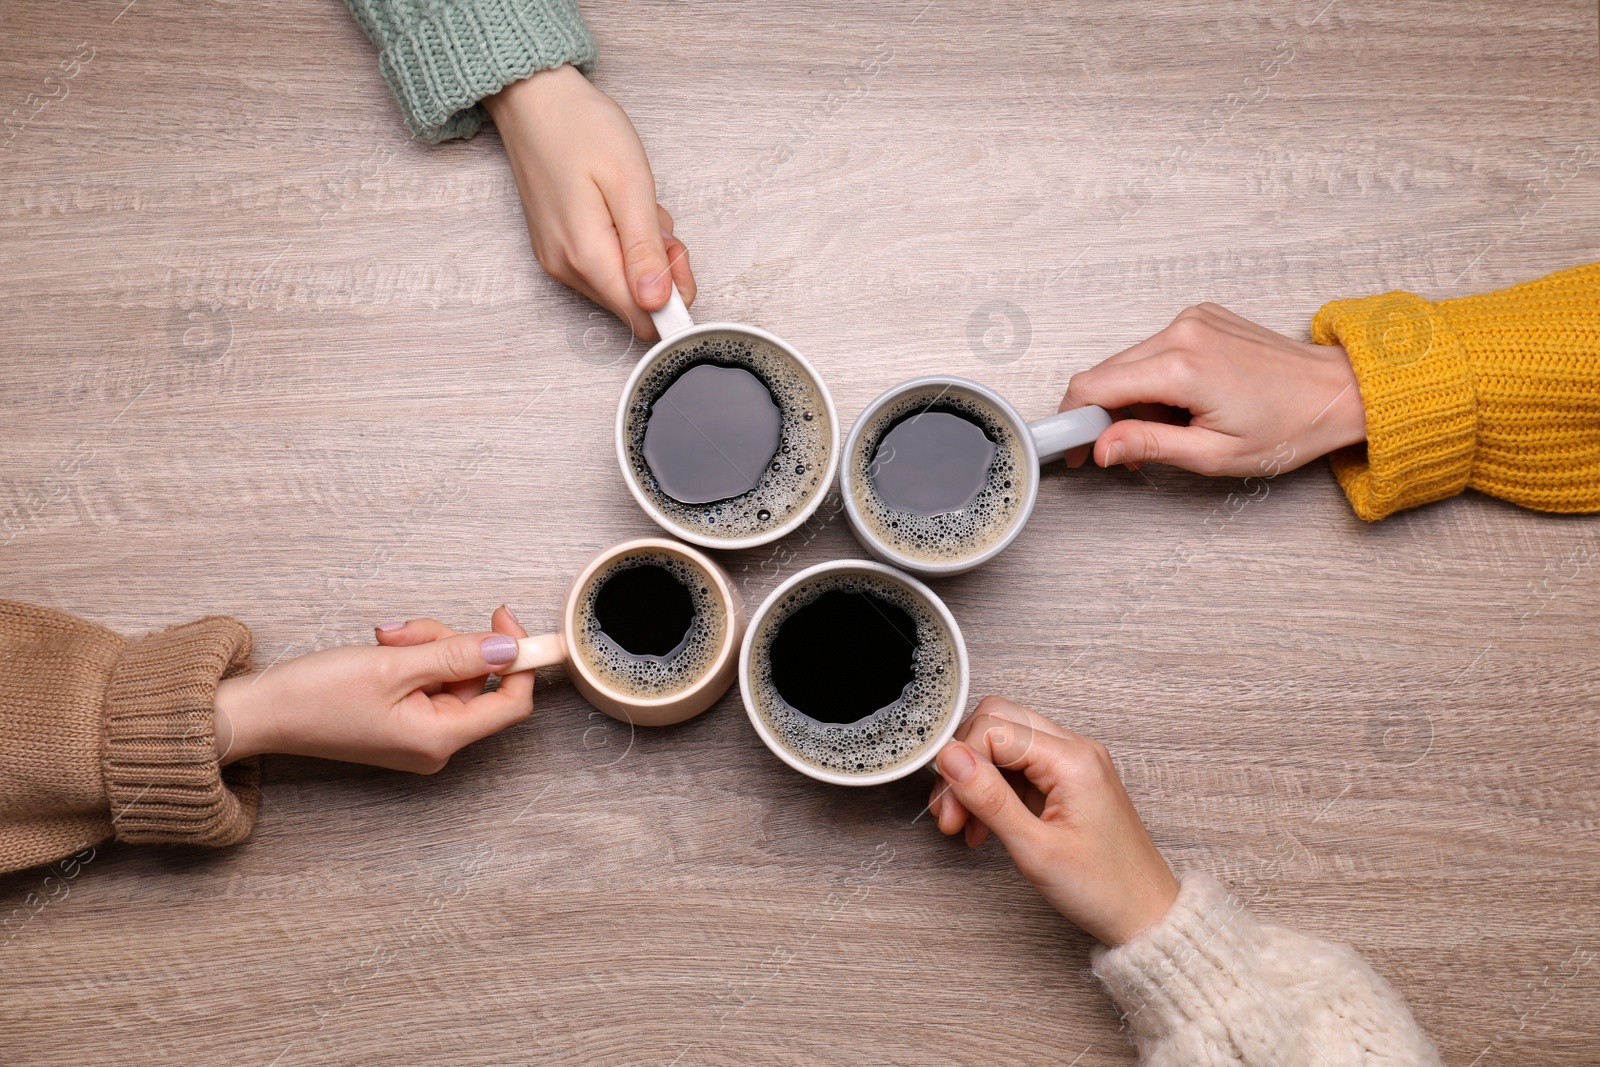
443,56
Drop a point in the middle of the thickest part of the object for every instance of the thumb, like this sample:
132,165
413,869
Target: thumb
984,792
454,659
644,250
1190,447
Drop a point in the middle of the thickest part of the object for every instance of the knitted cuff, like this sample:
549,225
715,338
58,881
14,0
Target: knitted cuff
1422,411
441,58
160,762
1188,969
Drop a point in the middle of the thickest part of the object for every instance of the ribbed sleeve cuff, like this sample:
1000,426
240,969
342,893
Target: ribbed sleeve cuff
1188,970
160,762
1422,412
441,58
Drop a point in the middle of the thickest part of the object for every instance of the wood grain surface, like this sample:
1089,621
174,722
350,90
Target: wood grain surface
264,355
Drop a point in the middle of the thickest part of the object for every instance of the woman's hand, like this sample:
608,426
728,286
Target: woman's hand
408,706
589,196
1056,803
1216,394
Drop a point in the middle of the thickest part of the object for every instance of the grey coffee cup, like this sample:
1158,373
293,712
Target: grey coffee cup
950,542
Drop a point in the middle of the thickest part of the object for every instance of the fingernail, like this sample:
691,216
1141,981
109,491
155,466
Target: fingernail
956,762
652,286
501,648
388,626
507,609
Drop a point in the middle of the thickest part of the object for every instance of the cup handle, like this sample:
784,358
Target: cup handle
673,318
546,650
1052,436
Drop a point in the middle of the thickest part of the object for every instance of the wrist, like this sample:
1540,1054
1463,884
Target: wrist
527,92
1148,905
1343,421
241,725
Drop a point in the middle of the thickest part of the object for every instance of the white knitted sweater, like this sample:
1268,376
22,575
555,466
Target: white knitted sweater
1211,985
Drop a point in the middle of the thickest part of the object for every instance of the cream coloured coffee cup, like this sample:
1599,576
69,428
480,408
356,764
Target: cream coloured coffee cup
682,675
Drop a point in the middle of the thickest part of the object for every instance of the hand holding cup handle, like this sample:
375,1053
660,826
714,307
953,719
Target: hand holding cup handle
673,317
1055,435
537,653
1054,799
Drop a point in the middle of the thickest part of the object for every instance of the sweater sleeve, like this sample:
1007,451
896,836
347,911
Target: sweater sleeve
1209,985
102,737
440,57
1498,392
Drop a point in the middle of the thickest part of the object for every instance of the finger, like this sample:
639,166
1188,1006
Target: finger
1190,447
664,217
1163,378
489,713
1048,761
1034,798
947,810
420,632
981,789
502,621
1169,367
594,264
1160,413
1076,457
518,686
977,832
412,632
992,710
682,275
454,659
635,214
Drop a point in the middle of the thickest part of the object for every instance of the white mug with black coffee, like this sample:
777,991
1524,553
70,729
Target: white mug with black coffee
726,435
649,633
854,673
940,474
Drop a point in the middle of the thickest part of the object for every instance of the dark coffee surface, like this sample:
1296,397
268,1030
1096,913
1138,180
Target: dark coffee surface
932,463
712,434
912,472
646,610
844,656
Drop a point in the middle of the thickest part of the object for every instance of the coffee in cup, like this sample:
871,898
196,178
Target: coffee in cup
648,634
726,435
940,474
854,673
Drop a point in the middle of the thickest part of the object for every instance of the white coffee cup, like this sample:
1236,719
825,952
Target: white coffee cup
810,423
943,700
935,546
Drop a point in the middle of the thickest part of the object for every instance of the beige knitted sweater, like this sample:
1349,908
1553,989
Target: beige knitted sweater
103,737
1210,985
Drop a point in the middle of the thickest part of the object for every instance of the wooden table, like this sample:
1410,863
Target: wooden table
264,355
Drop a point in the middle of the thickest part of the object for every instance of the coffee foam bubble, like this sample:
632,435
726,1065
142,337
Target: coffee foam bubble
952,535
792,478
889,737
653,676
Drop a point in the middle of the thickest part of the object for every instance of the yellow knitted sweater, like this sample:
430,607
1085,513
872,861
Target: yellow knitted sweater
1498,392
